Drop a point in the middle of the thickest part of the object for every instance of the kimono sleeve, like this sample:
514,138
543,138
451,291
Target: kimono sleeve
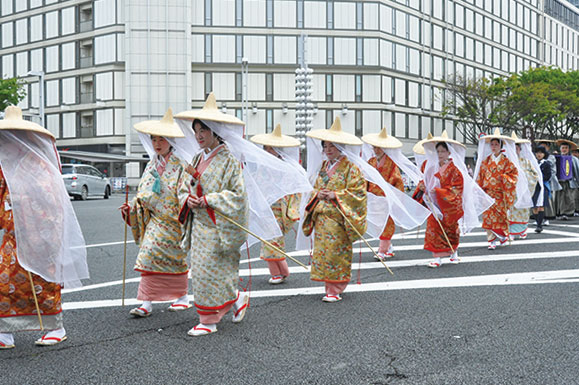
509,182
353,201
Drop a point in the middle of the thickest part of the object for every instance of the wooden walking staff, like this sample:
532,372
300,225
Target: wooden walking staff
276,249
361,237
125,247
36,301
440,224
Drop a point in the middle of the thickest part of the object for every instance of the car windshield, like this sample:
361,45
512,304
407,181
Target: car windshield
67,170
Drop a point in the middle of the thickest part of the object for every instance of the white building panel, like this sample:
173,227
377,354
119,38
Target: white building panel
348,121
104,86
223,49
105,48
318,88
371,121
413,128
344,15
256,87
385,53
104,122
284,49
287,121
52,93
284,13
400,24
371,87
69,91
8,66
105,13
22,31
198,53
120,121
413,95
68,56
51,24
69,125
371,52
119,85
315,14
21,63
254,13
36,60
223,12
33,95
254,49
198,12
21,6
344,51
399,128
385,18
53,124
401,55
255,122
7,34
400,92
284,87
68,21
344,90
371,16
7,7
198,79
316,50
36,28
386,89
224,86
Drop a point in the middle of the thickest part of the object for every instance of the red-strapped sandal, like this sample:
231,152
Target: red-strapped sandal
332,298
140,312
179,306
49,341
239,310
199,330
4,346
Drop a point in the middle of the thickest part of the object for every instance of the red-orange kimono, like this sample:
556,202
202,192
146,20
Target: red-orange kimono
391,173
17,307
418,194
499,181
449,200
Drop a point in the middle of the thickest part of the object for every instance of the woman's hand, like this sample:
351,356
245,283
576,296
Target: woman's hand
125,209
195,202
327,195
421,186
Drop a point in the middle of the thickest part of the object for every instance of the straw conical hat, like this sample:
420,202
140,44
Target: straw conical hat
519,140
496,135
572,145
443,138
165,127
275,139
210,112
335,135
382,140
418,148
544,141
13,121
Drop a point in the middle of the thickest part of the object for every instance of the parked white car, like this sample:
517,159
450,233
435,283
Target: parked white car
83,181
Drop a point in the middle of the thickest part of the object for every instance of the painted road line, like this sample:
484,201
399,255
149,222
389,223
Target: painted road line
372,265
530,278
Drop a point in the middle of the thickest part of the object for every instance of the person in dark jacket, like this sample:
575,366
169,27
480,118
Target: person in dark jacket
539,206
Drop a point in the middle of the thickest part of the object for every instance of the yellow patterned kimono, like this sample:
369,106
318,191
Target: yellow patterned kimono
17,307
214,241
287,212
519,218
332,259
153,220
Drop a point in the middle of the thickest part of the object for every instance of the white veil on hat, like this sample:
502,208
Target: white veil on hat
527,153
48,237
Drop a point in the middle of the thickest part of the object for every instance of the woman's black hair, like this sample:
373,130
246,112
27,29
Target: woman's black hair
443,144
206,127
543,150
498,140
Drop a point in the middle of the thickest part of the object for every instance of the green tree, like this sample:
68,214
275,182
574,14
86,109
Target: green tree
11,92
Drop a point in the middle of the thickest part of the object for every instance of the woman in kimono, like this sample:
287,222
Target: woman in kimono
286,209
519,218
497,175
541,200
42,246
420,160
153,214
335,212
214,186
390,171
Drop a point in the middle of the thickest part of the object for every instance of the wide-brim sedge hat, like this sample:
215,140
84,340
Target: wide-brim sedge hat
496,135
275,139
519,140
548,141
443,138
571,144
382,140
13,121
211,113
419,148
165,127
335,135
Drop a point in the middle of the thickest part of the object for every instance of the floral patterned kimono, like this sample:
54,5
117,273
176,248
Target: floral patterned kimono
214,241
153,220
499,180
519,218
332,258
391,173
17,307
449,200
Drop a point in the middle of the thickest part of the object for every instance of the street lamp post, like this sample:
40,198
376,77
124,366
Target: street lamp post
244,99
40,75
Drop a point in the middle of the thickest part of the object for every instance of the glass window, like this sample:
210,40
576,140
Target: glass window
269,87
330,50
238,48
329,88
358,125
269,13
269,49
239,13
330,15
208,48
268,120
208,84
358,88
208,12
300,15
359,51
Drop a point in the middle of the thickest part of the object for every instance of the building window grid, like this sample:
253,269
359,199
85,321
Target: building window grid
239,13
208,11
330,14
269,13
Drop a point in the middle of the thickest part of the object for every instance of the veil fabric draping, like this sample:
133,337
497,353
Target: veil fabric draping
267,178
522,188
527,153
474,200
48,237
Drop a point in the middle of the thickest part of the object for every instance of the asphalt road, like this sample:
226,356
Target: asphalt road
510,316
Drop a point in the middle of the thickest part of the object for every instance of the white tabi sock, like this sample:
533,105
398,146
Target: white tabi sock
437,260
147,305
182,300
7,338
58,333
